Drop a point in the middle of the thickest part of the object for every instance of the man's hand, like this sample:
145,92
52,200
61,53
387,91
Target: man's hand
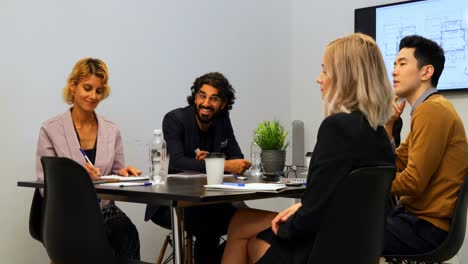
201,154
94,172
283,216
237,166
129,170
397,111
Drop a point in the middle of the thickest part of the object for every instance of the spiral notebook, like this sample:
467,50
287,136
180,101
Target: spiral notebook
247,187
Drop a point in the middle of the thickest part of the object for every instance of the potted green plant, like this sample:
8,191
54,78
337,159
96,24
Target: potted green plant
270,136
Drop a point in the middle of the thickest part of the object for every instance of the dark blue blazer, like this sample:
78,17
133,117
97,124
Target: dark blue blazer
181,133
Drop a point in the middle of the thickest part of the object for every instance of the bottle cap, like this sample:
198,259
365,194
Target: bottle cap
157,131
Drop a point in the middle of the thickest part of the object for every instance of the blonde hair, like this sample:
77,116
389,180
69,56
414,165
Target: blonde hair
359,79
83,70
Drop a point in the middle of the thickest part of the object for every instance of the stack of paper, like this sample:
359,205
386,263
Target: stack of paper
117,178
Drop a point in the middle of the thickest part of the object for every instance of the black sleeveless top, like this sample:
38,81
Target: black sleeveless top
91,153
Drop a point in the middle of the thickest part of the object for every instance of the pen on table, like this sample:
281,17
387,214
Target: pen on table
86,157
136,184
234,184
242,178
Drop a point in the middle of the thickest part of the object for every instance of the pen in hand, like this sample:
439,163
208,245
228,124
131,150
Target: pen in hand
89,162
86,157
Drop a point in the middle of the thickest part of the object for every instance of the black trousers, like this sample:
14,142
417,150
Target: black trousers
122,233
408,234
206,223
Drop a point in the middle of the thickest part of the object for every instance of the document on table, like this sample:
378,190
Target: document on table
126,184
247,187
111,178
185,175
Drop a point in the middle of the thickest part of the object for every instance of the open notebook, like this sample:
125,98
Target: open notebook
247,187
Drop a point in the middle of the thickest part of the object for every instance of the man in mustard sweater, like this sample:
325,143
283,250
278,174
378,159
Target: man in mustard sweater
432,161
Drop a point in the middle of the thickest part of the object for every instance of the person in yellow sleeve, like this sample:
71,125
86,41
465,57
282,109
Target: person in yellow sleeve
432,161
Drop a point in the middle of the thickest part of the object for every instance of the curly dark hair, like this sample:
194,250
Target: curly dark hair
426,52
218,81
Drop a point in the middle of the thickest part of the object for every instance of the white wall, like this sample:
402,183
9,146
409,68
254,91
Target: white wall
271,51
154,50
314,24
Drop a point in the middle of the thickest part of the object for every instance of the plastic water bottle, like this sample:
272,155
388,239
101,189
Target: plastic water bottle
256,167
159,160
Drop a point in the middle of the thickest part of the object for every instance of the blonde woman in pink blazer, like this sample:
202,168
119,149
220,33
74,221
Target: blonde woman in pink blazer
80,127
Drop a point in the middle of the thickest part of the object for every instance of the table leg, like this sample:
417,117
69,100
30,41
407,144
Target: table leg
177,233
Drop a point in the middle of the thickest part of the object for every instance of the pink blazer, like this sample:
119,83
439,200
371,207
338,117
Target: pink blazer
57,137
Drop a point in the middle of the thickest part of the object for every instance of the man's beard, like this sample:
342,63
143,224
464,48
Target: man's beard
204,118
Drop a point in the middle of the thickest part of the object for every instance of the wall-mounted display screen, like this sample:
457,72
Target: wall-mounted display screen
444,21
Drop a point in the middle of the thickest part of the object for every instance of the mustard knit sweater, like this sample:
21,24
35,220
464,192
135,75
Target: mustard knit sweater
432,162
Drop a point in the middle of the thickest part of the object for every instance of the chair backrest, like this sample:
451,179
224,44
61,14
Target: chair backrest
456,234
353,224
36,216
73,229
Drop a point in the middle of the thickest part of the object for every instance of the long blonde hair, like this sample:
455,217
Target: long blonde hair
359,79
83,70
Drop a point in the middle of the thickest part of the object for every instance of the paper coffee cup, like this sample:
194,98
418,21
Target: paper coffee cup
214,167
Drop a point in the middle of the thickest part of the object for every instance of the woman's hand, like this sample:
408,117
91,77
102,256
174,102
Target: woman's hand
283,217
129,170
94,172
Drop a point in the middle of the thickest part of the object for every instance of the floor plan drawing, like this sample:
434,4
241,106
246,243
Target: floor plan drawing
445,24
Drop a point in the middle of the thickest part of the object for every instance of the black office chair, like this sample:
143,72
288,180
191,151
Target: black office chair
353,225
452,243
73,229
